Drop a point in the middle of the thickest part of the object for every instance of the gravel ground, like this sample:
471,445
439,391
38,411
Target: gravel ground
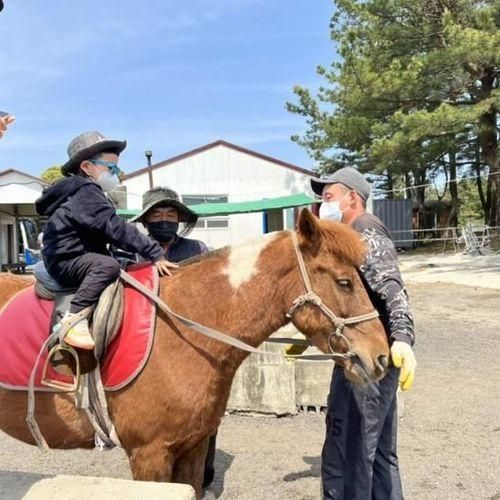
449,434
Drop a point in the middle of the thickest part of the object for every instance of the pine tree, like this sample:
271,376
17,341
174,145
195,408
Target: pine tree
416,93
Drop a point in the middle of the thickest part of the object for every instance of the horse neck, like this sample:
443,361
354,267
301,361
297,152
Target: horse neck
217,293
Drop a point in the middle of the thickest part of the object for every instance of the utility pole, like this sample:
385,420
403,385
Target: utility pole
149,154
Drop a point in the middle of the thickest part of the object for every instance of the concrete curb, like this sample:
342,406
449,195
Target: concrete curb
27,486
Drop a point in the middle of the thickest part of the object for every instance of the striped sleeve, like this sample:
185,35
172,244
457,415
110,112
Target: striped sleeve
381,273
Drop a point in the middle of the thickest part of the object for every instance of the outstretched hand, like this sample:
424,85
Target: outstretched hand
164,267
5,121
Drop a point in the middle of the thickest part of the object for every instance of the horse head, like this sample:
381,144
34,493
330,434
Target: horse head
332,253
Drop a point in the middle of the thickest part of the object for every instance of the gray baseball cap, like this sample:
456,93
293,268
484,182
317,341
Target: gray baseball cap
347,176
85,146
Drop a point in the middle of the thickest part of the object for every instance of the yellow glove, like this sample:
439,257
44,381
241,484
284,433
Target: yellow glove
295,350
403,357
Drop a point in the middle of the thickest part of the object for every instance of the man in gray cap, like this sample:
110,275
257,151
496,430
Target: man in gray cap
359,458
82,222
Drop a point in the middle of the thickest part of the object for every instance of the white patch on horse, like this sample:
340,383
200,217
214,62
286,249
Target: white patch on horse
242,260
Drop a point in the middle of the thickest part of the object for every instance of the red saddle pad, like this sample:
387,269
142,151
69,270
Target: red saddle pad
24,326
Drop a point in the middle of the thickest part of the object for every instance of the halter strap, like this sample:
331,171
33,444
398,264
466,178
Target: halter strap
313,298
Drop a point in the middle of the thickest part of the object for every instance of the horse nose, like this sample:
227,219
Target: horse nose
383,362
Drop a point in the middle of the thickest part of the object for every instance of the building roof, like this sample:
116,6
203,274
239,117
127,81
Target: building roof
14,171
213,145
241,207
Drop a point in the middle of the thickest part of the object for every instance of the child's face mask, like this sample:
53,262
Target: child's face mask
107,180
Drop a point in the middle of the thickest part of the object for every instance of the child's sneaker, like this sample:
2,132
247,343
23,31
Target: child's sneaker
79,334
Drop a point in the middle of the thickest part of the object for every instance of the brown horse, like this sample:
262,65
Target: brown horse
164,417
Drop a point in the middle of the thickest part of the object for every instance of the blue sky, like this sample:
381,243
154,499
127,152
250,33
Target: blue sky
165,75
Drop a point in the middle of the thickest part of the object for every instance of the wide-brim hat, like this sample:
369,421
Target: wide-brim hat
165,197
347,176
85,146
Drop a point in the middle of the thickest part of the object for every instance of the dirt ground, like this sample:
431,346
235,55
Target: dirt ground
470,270
449,434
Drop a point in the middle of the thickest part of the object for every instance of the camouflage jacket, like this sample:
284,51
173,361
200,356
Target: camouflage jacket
382,279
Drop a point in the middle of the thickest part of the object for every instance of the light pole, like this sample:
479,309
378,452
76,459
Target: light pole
149,154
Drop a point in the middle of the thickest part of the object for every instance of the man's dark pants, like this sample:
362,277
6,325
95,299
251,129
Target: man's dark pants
91,273
359,459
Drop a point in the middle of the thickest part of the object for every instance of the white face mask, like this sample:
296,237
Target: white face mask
107,181
330,210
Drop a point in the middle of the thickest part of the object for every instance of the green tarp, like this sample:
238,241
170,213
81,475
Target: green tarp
241,207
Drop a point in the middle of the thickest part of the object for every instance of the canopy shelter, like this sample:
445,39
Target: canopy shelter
18,200
242,207
18,192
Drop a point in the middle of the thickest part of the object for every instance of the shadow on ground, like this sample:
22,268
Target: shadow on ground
15,485
223,462
313,471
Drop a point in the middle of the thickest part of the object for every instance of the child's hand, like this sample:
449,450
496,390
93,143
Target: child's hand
164,267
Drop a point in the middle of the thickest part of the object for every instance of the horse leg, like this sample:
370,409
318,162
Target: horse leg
190,466
152,462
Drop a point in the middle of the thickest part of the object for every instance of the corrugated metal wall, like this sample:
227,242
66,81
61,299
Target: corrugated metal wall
397,216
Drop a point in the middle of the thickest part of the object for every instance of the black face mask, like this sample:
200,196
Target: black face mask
163,231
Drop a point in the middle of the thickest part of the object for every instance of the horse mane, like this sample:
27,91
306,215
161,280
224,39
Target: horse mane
343,241
340,239
204,256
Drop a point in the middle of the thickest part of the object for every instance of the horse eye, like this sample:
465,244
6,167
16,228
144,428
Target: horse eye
344,283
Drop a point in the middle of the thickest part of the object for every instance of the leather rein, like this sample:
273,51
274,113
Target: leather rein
309,297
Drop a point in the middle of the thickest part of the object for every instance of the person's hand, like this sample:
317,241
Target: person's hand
4,123
403,357
164,266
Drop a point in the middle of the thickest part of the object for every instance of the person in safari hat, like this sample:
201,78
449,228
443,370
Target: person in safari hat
162,213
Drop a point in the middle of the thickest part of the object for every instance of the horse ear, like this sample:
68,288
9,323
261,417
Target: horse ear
309,231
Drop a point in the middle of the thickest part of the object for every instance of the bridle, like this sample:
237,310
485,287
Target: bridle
313,298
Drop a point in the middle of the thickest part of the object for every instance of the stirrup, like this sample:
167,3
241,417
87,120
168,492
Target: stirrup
57,384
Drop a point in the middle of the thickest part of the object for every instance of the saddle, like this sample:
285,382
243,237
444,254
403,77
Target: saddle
25,325
104,321
123,328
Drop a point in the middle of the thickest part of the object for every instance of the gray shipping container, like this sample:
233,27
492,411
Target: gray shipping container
397,216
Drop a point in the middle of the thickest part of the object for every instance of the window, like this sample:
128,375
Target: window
219,222
196,199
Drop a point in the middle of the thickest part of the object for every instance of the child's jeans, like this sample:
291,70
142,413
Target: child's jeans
91,273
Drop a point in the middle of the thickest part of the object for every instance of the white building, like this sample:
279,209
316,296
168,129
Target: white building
18,192
224,172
